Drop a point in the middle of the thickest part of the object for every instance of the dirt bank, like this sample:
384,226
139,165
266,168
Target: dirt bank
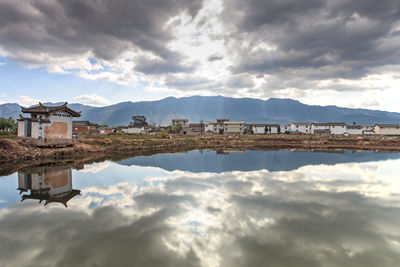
15,150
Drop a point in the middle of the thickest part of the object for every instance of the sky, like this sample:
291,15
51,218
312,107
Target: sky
100,52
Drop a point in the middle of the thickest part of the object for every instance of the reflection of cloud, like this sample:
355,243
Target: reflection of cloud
97,167
342,215
105,238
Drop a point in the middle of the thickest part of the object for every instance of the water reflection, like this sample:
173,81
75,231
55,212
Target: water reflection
48,184
239,160
345,214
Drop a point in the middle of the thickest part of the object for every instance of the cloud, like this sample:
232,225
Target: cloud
314,34
27,101
2,64
64,35
271,48
92,100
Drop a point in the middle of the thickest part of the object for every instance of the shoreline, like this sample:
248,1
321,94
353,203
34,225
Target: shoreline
13,151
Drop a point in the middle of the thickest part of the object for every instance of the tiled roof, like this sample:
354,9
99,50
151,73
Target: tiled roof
329,124
263,125
47,109
300,123
388,125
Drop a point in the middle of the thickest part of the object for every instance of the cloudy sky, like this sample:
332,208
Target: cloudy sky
99,52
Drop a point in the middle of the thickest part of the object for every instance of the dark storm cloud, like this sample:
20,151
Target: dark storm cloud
73,27
345,38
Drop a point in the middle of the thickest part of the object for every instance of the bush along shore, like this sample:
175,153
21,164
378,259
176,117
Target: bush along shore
13,149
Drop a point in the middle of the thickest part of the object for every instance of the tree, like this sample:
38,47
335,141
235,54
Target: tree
266,129
278,129
178,127
7,124
201,126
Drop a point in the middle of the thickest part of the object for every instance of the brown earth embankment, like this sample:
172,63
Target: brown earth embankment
15,150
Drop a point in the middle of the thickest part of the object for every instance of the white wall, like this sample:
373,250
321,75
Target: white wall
209,126
35,130
300,128
66,117
387,130
136,130
258,129
354,131
261,130
21,128
338,129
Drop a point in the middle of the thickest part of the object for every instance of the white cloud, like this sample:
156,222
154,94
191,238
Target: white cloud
93,100
2,63
27,101
97,167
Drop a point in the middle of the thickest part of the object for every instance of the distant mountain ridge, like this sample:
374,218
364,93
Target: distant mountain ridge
209,108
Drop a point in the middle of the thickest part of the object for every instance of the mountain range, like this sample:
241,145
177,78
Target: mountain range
209,108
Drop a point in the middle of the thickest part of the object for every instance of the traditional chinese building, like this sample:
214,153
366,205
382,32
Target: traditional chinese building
47,122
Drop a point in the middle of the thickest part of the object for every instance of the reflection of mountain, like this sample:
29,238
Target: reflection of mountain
49,184
283,160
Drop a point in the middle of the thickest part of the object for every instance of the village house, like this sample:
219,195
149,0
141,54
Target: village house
271,128
301,127
47,122
222,126
196,128
387,129
105,130
328,128
137,125
183,122
133,129
359,129
82,127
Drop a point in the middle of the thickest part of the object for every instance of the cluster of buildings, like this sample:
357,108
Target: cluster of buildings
328,128
225,126
56,123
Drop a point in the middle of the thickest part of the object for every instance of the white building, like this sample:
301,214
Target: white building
301,127
47,122
209,126
260,128
285,128
135,130
222,126
328,128
387,129
183,122
359,129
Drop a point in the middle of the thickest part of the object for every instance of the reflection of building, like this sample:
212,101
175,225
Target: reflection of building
47,184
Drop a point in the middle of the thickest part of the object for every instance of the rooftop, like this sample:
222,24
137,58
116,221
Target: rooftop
41,109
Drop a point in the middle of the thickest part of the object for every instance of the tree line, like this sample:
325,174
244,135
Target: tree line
8,125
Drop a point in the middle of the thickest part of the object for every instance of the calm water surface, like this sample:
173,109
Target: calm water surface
202,208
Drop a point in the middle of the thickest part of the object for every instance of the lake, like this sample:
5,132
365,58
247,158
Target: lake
206,208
